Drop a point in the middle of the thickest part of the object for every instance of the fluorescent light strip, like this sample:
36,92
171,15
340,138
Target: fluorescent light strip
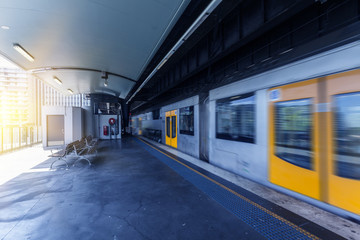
23,52
40,70
162,63
70,91
58,81
208,10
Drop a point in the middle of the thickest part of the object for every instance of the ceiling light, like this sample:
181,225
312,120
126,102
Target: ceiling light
70,91
104,75
162,63
40,70
58,81
5,27
23,52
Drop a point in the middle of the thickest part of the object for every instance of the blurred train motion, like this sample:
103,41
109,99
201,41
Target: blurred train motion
295,128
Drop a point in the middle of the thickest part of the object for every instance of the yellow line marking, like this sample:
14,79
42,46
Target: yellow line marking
240,196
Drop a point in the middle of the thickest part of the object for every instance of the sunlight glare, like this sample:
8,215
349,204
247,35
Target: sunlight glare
23,161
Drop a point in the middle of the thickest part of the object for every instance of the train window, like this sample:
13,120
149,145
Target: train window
173,126
168,126
293,132
156,114
187,120
137,122
235,118
347,135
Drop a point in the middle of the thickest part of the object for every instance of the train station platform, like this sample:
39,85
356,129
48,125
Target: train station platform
137,190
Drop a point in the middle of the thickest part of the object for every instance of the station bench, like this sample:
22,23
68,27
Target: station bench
80,149
91,143
62,154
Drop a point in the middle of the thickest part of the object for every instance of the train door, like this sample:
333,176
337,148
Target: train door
171,128
204,129
343,93
140,126
294,138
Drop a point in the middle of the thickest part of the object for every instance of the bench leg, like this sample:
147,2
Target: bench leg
67,165
82,158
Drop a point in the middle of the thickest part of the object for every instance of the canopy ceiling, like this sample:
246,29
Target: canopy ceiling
78,40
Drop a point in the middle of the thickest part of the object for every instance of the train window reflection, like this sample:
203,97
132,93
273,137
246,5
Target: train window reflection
235,118
293,132
347,135
187,120
173,126
168,126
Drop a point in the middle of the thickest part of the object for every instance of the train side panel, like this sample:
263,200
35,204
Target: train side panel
321,184
243,158
187,141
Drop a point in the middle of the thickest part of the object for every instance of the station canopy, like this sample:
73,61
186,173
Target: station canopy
84,43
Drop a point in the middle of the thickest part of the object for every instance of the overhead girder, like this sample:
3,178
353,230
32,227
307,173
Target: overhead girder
232,25
231,51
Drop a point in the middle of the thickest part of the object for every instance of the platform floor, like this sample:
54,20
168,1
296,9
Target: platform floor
134,190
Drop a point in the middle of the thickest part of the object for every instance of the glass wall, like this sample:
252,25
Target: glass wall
235,118
13,137
21,99
20,120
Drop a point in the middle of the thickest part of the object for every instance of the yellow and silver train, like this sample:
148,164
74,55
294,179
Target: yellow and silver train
295,128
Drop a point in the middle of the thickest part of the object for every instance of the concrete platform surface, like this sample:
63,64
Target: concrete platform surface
132,191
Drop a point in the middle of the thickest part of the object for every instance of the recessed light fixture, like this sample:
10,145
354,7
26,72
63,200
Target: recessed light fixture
5,27
104,75
23,52
162,63
58,81
40,70
235,97
70,91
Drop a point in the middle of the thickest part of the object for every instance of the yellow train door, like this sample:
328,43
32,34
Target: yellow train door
294,137
343,93
171,128
174,128
140,126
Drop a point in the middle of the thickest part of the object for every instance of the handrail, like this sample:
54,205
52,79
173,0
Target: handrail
15,136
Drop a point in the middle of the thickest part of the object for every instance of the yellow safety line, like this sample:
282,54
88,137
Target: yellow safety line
240,196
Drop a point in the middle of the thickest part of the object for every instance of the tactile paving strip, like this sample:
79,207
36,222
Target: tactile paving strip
267,223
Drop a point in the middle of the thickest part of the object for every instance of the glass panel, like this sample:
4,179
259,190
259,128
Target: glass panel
347,135
7,133
168,126
23,137
187,120
235,118
16,137
156,114
293,132
39,134
30,138
173,126
1,141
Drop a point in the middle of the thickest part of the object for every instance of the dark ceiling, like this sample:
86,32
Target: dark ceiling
243,38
